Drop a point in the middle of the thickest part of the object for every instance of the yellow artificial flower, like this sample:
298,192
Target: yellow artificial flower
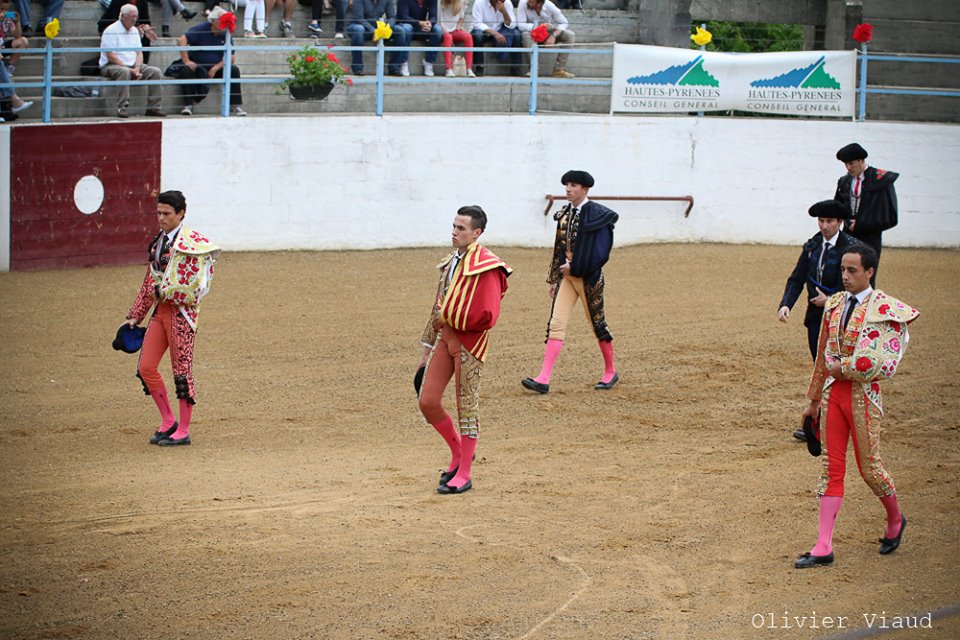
52,29
702,37
383,31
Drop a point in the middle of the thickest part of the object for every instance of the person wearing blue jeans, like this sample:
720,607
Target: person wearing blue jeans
340,16
52,9
419,19
363,22
495,21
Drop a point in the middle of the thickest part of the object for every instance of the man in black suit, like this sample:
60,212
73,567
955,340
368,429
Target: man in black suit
872,199
818,269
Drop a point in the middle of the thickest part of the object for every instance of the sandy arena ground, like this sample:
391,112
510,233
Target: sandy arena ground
670,507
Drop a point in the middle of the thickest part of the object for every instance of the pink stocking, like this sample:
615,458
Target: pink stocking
452,438
163,403
549,359
468,446
186,412
893,516
606,348
829,509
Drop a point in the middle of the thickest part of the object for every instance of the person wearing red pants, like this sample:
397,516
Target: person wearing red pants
179,273
862,340
472,282
581,247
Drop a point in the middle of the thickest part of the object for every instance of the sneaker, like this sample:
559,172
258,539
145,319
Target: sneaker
471,74
405,69
314,28
237,111
186,14
249,34
286,29
11,68
122,112
562,73
450,73
165,31
23,105
259,34
187,110
338,36
428,69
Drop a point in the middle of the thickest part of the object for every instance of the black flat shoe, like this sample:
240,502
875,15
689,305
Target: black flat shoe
175,442
604,386
806,560
161,435
889,545
533,385
447,489
447,476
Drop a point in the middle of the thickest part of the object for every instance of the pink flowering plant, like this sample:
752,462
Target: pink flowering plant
310,67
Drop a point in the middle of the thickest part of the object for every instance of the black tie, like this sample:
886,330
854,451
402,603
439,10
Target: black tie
851,305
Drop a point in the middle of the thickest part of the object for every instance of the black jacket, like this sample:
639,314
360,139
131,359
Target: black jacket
805,274
878,204
592,242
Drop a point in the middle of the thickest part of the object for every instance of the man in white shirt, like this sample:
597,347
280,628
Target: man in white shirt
128,65
533,13
494,21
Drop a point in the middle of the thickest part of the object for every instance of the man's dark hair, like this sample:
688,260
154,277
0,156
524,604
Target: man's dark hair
868,257
173,198
478,218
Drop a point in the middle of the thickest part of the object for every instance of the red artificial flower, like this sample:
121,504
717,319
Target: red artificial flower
863,364
228,21
540,34
863,32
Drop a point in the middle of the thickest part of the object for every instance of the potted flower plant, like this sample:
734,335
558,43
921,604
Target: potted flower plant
314,74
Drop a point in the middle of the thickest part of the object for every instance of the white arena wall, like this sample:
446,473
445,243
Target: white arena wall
361,182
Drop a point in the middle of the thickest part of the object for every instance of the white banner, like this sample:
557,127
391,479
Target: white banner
668,80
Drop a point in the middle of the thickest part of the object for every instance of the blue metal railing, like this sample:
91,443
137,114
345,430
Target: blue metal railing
380,80
863,89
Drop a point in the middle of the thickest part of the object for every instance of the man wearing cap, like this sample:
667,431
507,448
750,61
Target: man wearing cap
817,270
581,247
472,282
179,273
862,340
870,194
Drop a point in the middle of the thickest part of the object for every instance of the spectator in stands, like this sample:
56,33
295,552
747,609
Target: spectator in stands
533,13
204,64
253,10
52,9
11,35
419,19
340,12
286,23
169,8
452,14
494,21
363,22
112,14
10,103
128,65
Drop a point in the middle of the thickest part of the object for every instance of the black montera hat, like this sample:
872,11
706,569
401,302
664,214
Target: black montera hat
830,209
852,152
129,339
579,177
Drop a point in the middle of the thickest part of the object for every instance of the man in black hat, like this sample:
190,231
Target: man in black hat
583,242
818,269
870,194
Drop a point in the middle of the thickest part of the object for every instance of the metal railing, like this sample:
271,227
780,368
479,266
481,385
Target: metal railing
380,79
863,90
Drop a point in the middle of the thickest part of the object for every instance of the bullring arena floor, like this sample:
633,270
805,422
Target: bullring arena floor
671,507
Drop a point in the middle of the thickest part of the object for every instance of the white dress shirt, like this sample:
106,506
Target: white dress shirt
116,37
528,19
486,17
